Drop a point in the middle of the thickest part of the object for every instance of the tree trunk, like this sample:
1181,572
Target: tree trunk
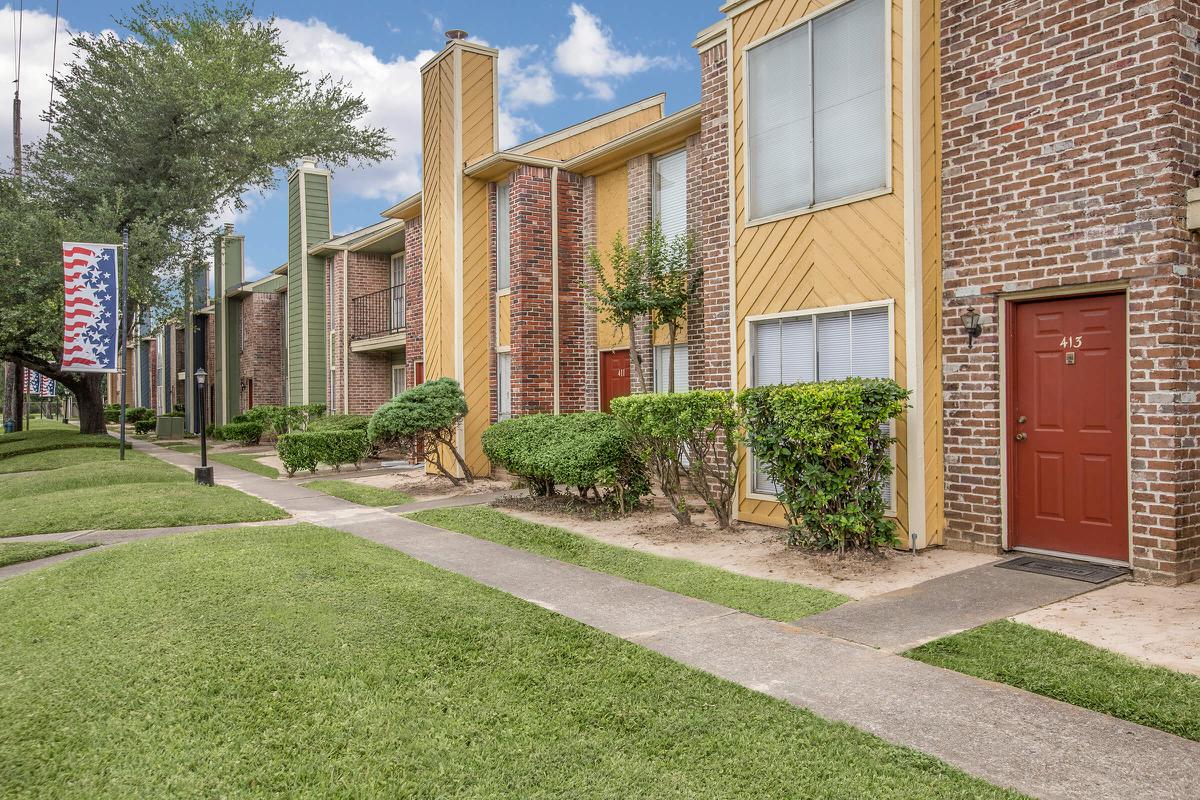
10,391
636,363
19,399
672,332
89,397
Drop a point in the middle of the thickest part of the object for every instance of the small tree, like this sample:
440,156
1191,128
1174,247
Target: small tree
651,285
426,418
623,299
671,283
827,447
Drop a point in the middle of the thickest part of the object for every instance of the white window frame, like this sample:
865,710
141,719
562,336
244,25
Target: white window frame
888,89
502,413
654,363
398,369
748,332
655,188
504,186
397,297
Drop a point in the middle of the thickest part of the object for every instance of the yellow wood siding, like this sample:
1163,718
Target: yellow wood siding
843,255
504,320
601,134
612,218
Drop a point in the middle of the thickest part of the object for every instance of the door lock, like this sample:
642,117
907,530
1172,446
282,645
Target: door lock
1021,419
1022,437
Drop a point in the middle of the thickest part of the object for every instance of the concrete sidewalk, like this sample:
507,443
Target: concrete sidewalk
900,620
1010,737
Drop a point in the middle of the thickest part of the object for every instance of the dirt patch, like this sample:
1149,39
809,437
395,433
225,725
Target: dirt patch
755,550
428,487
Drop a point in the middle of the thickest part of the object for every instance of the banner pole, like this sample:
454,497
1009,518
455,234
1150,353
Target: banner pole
124,288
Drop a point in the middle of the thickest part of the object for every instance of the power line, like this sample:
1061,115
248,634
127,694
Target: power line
53,67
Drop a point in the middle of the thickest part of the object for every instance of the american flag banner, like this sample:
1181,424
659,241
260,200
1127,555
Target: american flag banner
90,319
33,382
49,387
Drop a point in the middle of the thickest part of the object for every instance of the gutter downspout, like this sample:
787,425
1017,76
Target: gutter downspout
914,315
345,328
554,282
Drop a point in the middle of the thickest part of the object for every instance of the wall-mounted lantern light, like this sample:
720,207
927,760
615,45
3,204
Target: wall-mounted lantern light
973,325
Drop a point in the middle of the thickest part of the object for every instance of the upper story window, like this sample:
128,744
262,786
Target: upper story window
397,290
502,237
670,193
816,120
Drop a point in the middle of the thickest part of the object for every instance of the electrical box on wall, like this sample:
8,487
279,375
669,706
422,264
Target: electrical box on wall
1193,209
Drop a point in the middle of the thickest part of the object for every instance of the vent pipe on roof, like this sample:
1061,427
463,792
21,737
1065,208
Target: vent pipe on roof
455,35
308,162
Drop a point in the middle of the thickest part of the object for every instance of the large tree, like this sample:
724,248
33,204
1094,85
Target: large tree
154,129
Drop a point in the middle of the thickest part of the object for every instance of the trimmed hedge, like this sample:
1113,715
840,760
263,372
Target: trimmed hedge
827,447
694,434
285,419
340,422
143,427
137,414
589,451
244,433
307,449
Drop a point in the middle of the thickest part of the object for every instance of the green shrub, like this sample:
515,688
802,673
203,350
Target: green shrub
424,418
307,449
341,422
112,412
589,451
213,432
244,433
144,426
279,420
138,414
827,447
692,434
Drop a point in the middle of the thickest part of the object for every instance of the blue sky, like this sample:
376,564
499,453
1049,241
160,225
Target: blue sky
561,62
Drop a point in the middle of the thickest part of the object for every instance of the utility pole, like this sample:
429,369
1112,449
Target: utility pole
14,376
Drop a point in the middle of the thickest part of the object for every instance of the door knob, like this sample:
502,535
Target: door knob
1021,437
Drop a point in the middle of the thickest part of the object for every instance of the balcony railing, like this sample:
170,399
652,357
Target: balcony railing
377,314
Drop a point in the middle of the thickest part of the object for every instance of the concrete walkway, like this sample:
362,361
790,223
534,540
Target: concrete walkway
900,620
1010,737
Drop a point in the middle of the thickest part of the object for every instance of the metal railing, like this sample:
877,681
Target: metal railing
377,314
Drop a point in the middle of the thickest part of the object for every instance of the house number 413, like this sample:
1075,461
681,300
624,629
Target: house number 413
1071,341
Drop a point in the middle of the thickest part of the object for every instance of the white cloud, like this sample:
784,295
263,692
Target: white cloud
525,81
588,53
392,90
36,49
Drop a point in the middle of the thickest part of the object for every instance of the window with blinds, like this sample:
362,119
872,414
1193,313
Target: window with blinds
662,368
820,346
670,194
817,119
503,385
502,236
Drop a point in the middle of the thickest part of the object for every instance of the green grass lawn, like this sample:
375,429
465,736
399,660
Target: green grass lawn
1072,671
361,493
16,552
766,598
53,459
302,662
141,492
245,461
37,441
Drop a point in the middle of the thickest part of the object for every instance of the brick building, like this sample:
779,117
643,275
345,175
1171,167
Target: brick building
987,204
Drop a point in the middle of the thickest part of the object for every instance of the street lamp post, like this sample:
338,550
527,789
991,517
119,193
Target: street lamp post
204,473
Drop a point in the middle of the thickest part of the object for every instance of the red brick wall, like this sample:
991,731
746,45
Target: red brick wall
709,210
367,375
573,354
414,309
591,346
1069,139
532,306
262,356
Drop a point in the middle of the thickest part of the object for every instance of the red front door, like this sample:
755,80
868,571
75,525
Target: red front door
614,376
1068,464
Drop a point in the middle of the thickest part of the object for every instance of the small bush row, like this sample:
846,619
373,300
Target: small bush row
278,420
308,449
590,451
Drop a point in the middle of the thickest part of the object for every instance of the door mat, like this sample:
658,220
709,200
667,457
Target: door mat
1075,570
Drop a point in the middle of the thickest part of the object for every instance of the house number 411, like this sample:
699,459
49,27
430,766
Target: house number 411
1071,341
